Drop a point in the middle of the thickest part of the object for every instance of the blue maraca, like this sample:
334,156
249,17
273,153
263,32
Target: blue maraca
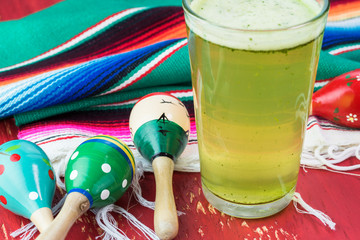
27,183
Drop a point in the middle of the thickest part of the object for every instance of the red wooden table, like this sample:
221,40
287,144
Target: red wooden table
335,194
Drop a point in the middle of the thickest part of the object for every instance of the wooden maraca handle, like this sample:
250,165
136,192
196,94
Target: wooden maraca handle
165,216
75,205
42,218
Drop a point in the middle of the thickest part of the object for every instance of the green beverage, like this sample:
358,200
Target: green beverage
252,91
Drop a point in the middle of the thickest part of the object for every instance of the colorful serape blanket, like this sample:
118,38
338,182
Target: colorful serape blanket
76,69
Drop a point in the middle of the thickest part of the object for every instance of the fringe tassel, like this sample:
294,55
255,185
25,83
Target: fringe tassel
139,173
338,158
325,219
328,160
330,170
110,226
27,232
111,231
59,182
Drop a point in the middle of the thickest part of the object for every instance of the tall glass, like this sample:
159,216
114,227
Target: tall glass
252,92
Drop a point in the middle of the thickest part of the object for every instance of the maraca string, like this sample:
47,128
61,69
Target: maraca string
110,227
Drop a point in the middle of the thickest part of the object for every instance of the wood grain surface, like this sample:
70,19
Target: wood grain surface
335,194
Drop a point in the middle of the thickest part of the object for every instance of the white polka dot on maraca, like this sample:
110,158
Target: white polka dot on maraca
33,195
105,194
124,183
73,174
74,155
106,168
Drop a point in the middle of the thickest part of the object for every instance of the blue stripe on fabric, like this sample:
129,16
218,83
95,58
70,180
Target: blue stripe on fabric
333,39
346,23
341,32
113,146
81,78
128,59
73,80
51,100
68,82
58,86
83,192
23,96
101,73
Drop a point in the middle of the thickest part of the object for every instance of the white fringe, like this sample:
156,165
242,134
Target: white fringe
327,160
325,219
139,173
26,232
110,226
337,158
330,170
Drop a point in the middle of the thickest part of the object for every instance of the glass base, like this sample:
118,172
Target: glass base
248,211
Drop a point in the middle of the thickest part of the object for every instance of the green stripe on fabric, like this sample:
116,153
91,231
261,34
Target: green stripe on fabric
352,55
44,30
128,15
127,106
164,73
28,117
341,46
331,66
169,71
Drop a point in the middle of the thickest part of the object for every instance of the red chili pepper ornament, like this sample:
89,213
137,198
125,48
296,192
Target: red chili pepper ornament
339,100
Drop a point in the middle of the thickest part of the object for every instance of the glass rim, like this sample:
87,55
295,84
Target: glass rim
324,10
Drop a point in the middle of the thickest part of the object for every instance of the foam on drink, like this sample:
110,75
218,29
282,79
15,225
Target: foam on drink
247,17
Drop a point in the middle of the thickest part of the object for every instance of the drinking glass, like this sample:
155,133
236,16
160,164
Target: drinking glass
252,93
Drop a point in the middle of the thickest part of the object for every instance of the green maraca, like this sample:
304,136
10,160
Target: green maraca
159,124
98,173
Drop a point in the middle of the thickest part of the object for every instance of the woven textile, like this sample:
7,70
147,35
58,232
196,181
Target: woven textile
340,58
341,42
75,70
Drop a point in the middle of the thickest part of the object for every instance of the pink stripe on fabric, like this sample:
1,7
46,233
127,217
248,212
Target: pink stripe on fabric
61,128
